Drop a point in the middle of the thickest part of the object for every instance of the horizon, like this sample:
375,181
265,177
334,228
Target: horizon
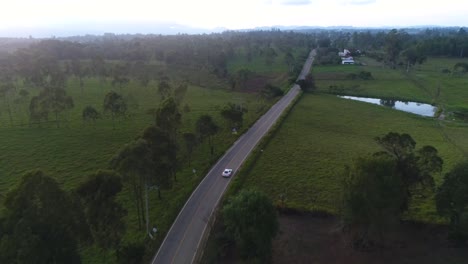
49,18
174,29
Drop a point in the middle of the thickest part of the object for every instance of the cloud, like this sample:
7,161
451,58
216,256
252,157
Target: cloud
358,2
295,2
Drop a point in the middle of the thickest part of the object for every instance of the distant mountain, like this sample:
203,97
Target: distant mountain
132,28
89,28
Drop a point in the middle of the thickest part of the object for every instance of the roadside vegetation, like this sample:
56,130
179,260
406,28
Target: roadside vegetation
328,156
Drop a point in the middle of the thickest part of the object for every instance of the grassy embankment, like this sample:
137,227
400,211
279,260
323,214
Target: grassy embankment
305,157
75,150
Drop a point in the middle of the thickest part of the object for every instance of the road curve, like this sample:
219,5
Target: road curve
183,239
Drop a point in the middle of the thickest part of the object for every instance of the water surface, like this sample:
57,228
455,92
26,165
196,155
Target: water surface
410,107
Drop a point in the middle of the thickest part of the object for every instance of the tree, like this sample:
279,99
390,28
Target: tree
41,223
452,202
289,60
164,156
270,55
57,100
413,55
141,72
270,91
164,89
38,111
324,42
415,167
179,93
6,90
103,214
130,253
120,75
168,117
115,104
373,193
79,71
393,46
240,79
307,84
21,100
251,221
90,114
233,115
461,67
206,128
190,140
98,68
134,161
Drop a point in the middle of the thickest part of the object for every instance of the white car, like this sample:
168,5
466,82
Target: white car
227,173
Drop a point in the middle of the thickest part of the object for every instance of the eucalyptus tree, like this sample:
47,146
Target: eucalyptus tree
169,119
79,71
163,155
41,223
179,93
233,114
114,104
191,142
135,162
6,91
164,89
104,214
205,127
90,114
416,167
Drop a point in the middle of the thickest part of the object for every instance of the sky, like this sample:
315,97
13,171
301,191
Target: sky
23,16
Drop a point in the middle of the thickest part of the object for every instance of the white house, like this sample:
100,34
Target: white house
347,61
345,53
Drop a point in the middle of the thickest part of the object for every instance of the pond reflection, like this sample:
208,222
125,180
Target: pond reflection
410,107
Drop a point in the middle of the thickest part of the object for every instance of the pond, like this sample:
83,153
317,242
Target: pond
410,107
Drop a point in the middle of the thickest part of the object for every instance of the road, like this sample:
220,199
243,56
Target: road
183,239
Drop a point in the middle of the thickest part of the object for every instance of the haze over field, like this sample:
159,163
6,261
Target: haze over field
22,18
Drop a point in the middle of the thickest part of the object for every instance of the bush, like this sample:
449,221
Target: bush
251,221
363,75
130,253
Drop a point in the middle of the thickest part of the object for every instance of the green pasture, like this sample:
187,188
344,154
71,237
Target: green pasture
305,157
453,86
77,149
428,82
387,83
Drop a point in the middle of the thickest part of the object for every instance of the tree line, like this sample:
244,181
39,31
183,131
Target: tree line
33,80
401,48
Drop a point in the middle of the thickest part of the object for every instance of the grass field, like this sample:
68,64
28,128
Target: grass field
305,157
324,133
77,149
423,83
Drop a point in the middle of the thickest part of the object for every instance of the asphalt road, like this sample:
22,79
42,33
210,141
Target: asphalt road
183,239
